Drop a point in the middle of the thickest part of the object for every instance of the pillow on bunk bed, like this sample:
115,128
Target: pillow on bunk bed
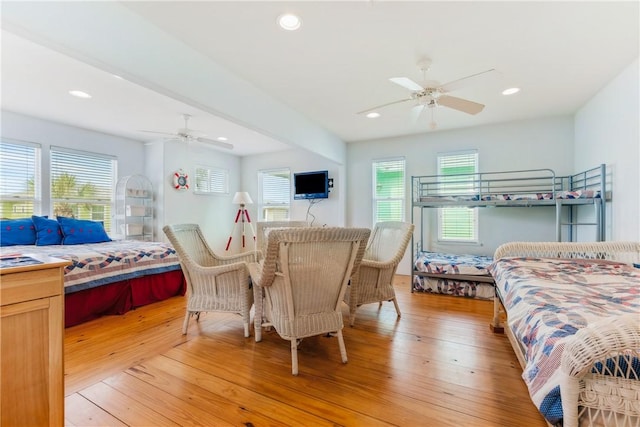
48,231
17,232
80,231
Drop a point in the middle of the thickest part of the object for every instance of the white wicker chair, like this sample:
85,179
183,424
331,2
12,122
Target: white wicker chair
263,228
214,283
304,274
374,280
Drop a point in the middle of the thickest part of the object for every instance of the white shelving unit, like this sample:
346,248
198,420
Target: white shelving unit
134,216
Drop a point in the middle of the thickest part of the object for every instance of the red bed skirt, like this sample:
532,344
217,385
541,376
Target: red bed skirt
120,297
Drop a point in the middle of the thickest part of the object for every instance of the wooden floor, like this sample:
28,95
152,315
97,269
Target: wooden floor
439,365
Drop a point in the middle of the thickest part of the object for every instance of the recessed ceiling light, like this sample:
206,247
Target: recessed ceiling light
222,138
511,91
79,94
289,22
373,115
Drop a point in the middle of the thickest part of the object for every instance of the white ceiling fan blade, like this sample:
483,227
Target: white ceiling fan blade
416,112
216,143
457,84
406,83
460,104
368,110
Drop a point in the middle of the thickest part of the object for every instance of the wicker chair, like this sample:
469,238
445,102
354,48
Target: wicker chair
304,275
374,280
214,283
263,228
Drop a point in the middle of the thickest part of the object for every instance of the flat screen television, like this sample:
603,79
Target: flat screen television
311,185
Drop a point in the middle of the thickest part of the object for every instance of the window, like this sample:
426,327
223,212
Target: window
82,185
20,184
458,224
388,190
211,180
275,194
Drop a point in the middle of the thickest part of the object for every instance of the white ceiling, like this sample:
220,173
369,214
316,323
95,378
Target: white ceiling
340,62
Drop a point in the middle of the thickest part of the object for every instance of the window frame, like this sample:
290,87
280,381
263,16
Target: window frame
61,164
470,214
380,199
275,205
213,186
33,166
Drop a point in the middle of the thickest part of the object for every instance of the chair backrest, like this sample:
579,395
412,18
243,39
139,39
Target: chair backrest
389,241
306,270
190,245
263,228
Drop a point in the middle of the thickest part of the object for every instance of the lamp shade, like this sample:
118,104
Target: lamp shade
242,198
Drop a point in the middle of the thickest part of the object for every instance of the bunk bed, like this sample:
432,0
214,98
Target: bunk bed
517,188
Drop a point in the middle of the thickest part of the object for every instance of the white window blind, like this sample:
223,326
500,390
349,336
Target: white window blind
20,180
275,194
458,224
210,180
388,190
82,184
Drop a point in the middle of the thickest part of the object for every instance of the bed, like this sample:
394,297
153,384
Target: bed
449,274
573,319
111,277
517,188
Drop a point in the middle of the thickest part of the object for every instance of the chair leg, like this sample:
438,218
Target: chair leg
246,329
352,317
294,356
343,349
395,303
185,324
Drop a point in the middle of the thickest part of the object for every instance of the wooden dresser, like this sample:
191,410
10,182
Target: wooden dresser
32,343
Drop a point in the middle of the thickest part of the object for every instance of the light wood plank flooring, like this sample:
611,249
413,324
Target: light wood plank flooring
439,365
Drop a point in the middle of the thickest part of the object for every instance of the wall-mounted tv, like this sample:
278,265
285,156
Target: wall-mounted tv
311,185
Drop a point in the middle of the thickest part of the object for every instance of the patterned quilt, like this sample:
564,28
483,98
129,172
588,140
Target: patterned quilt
549,300
577,194
441,263
98,264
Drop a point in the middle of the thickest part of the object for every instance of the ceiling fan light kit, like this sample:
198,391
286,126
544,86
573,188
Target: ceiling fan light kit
433,95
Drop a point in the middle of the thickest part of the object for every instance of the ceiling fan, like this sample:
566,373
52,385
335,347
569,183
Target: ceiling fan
189,135
432,94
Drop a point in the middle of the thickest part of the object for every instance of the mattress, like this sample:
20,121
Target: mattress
443,263
453,287
549,300
98,264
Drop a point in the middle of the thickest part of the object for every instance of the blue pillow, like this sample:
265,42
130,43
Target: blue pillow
79,231
48,231
17,232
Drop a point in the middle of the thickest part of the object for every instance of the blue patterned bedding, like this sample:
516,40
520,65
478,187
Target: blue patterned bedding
577,194
98,264
442,263
549,300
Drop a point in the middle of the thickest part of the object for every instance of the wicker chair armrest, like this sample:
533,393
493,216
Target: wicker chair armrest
608,338
255,271
250,256
381,265
219,269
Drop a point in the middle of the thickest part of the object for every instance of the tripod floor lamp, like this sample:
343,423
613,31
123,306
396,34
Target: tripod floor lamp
242,198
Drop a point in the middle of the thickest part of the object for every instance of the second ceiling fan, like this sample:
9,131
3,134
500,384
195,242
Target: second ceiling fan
432,94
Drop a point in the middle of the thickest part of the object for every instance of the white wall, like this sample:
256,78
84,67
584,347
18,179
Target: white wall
532,144
329,212
130,153
606,131
214,213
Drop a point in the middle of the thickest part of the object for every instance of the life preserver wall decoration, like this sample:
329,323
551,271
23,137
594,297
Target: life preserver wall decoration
180,180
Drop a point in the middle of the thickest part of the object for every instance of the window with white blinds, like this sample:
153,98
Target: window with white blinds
82,184
210,180
388,190
20,180
275,194
458,224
